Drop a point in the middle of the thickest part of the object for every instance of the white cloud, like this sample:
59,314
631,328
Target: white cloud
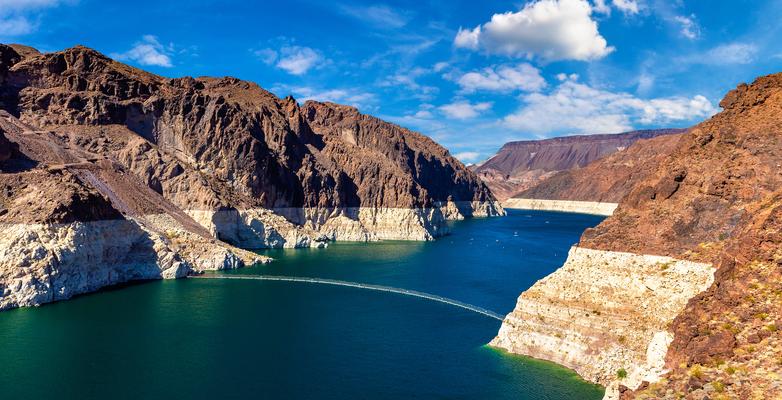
15,26
574,107
645,82
408,80
627,6
467,156
267,56
735,53
464,109
149,51
14,18
379,16
438,67
547,29
297,60
468,39
732,53
689,28
23,5
601,7
504,78
352,97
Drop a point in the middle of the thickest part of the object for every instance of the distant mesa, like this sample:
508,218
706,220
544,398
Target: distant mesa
521,165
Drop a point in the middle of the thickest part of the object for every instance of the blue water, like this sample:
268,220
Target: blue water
207,339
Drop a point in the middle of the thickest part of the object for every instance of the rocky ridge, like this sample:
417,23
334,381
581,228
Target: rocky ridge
714,200
188,168
609,179
520,165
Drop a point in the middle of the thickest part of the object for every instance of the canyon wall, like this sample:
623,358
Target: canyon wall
520,165
714,200
110,173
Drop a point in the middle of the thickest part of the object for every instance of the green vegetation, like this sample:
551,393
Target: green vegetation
696,371
621,373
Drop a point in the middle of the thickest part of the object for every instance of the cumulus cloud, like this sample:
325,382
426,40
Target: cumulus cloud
295,60
149,52
379,16
464,109
504,78
574,107
547,29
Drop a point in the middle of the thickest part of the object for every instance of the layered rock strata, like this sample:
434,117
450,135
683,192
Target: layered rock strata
581,207
605,314
715,199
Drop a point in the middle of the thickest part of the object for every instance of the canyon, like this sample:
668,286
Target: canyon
161,178
521,165
677,294
598,187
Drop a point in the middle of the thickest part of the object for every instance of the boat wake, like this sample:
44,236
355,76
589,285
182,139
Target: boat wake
379,288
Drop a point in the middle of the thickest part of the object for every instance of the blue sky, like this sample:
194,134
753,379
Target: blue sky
470,74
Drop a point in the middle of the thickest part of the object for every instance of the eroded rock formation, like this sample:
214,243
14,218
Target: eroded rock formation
188,168
714,200
521,165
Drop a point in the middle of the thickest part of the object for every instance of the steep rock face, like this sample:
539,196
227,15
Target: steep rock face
715,200
608,179
111,174
241,148
6,148
523,164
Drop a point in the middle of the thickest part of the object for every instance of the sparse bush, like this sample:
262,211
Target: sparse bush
621,373
696,371
730,370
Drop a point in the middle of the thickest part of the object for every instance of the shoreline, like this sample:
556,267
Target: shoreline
569,206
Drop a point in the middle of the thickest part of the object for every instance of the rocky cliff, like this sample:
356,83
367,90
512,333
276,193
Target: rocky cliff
715,200
524,164
195,166
608,179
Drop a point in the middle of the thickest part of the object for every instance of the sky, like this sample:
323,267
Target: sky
472,75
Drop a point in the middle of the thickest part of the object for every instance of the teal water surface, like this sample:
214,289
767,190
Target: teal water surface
226,339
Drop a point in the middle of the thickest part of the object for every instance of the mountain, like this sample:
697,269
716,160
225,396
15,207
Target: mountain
158,177
607,179
677,294
520,165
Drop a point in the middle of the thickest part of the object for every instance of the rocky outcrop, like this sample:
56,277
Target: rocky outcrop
237,146
187,169
714,200
571,206
521,165
605,314
6,148
609,179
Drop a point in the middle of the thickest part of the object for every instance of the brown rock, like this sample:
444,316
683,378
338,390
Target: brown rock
519,166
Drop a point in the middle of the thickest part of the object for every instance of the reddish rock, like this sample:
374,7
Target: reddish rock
521,165
607,179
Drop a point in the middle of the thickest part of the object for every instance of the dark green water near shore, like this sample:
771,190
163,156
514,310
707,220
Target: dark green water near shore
207,339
